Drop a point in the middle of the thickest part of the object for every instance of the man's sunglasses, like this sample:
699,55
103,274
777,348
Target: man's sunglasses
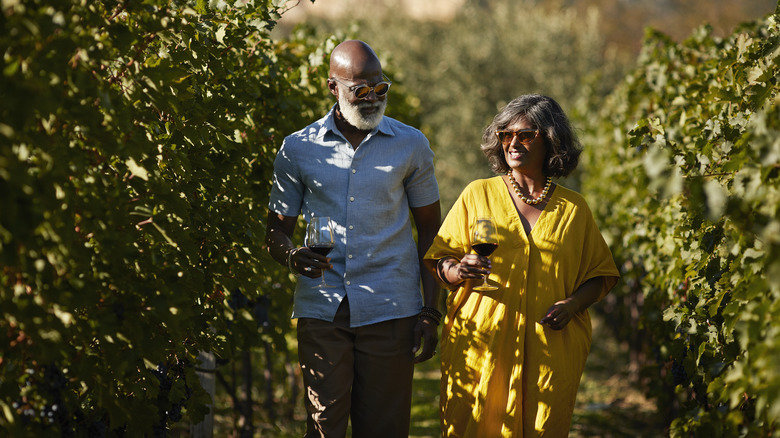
362,91
524,136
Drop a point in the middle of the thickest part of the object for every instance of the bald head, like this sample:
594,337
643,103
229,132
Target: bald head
355,59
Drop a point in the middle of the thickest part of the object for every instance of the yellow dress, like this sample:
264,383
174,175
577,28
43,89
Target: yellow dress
503,373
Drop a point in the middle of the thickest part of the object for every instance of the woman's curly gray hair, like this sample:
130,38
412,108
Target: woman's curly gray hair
563,148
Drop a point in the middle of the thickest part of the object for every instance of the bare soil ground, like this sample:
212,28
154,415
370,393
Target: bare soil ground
608,405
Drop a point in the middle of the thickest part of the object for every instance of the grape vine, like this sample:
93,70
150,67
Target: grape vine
136,142
684,176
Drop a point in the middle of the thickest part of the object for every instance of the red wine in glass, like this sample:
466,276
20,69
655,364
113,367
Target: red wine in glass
319,238
484,249
322,249
485,241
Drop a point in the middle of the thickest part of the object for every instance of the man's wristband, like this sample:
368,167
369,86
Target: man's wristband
431,312
290,254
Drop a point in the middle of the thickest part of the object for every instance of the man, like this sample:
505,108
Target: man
357,341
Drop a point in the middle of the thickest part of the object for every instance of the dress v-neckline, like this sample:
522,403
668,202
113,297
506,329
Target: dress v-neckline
522,219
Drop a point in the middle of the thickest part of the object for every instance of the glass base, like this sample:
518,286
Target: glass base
323,286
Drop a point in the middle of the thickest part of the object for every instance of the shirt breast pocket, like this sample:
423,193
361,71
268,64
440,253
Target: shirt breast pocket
383,184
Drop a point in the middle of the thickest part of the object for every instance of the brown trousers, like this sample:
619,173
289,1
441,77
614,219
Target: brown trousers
363,373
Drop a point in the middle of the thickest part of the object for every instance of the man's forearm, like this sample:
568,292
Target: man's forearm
430,288
279,246
277,237
427,220
429,284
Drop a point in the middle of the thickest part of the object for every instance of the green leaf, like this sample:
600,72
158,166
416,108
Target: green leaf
137,170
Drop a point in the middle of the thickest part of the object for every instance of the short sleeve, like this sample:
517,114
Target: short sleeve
421,186
597,259
452,238
287,191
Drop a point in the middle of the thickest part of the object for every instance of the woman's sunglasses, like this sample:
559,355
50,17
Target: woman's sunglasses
361,91
524,136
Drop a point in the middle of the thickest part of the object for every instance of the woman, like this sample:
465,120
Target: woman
512,358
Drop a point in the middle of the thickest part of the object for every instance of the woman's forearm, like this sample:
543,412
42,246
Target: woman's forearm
447,272
587,294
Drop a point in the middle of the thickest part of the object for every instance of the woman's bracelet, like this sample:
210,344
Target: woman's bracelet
290,254
440,269
431,312
442,274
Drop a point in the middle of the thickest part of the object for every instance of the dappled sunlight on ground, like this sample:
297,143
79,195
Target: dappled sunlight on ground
425,399
608,405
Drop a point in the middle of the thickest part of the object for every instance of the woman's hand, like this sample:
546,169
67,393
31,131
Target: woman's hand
560,313
471,266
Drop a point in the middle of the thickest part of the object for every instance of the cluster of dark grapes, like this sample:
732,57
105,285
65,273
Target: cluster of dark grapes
237,300
171,412
118,308
260,311
55,382
97,429
51,413
57,416
679,376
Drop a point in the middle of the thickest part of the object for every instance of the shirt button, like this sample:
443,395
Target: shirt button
350,256
351,198
354,171
348,282
351,227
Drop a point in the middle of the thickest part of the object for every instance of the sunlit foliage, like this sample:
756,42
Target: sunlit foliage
684,177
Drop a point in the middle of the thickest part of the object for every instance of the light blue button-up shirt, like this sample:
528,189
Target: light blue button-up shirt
367,193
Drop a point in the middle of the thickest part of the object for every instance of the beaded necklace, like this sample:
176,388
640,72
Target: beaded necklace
526,199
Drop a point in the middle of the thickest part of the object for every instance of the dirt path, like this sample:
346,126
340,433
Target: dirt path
608,406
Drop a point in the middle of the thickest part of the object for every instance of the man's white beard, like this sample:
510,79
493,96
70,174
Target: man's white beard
354,117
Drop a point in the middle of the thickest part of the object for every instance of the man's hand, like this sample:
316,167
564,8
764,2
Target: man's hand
425,333
307,262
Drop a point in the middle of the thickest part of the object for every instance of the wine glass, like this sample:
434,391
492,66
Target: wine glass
484,243
319,238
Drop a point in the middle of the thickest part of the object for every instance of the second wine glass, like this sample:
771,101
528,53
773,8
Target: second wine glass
484,243
319,238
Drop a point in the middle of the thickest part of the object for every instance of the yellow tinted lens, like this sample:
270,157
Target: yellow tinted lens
362,91
381,88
